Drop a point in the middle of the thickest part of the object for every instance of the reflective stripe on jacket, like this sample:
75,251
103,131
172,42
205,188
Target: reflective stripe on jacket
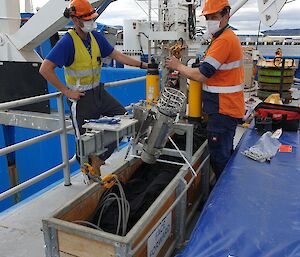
84,73
226,56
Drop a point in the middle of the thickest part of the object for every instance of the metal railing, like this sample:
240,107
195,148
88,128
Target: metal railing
122,82
62,131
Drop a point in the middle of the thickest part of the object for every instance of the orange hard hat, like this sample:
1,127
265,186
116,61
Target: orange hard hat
213,6
82,9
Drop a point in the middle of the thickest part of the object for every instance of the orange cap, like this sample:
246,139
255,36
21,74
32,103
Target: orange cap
82,9
213,6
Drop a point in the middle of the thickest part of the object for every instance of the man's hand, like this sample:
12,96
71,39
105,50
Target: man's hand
73,94
188,72
172,63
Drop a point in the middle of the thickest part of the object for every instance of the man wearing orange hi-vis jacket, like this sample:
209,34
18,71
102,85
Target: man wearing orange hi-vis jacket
222,77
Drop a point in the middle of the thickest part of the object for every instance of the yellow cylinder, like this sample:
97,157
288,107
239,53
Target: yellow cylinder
195,100
152,82
152,88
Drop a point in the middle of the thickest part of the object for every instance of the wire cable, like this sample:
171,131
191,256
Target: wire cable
107,199
84,222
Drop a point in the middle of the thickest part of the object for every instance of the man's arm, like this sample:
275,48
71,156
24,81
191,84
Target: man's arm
47,71
191,73
125,59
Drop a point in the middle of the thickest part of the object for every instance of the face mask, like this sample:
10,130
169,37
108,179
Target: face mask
212,26
88,26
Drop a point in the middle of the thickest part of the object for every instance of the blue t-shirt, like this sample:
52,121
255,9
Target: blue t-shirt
63,52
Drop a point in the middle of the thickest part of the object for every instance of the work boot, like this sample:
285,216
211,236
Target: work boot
96,163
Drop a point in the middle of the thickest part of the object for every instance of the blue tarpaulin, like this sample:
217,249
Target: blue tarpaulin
254,209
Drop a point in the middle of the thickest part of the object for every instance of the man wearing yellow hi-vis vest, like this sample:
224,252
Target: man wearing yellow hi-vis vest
80,52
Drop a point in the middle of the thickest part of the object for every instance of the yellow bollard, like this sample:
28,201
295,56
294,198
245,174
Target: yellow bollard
195,97
152,82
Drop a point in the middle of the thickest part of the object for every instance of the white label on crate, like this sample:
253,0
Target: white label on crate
159,236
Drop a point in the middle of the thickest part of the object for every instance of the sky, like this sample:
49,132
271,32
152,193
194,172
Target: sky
247,18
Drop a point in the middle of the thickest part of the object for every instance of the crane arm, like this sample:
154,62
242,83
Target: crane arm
268,10
46,22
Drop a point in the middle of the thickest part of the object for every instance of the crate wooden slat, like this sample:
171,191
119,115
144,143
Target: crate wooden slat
78,246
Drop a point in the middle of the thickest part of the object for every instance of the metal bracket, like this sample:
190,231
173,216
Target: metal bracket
99,136
180,211
121,249
51,240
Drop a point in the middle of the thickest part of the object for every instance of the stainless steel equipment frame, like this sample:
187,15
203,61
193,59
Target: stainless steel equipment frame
173,200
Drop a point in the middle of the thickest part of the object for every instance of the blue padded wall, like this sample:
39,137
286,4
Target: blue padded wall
37,158
4,175
127,93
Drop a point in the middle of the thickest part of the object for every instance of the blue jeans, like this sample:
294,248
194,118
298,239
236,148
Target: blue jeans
220,133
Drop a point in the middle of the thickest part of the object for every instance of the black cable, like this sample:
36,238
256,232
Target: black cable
107,199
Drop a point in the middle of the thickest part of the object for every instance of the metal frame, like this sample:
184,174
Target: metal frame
33,120
123,245
51,241
43,122
182,195
188,153
65,165
99,135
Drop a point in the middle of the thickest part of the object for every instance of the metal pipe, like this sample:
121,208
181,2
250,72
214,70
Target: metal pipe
64,140
122,82
150,24
35,179
9,16
28,6
30,182
30,100
31,141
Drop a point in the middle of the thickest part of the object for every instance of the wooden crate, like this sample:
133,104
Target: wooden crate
156,234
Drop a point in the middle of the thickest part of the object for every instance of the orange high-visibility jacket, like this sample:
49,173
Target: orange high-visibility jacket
226,55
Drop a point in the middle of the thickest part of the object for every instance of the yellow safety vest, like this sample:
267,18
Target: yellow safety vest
84,73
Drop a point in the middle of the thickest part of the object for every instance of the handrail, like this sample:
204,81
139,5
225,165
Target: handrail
29,100
62,131
124,81
35,179
31,141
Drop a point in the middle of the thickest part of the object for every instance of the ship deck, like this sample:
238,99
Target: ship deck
21,225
